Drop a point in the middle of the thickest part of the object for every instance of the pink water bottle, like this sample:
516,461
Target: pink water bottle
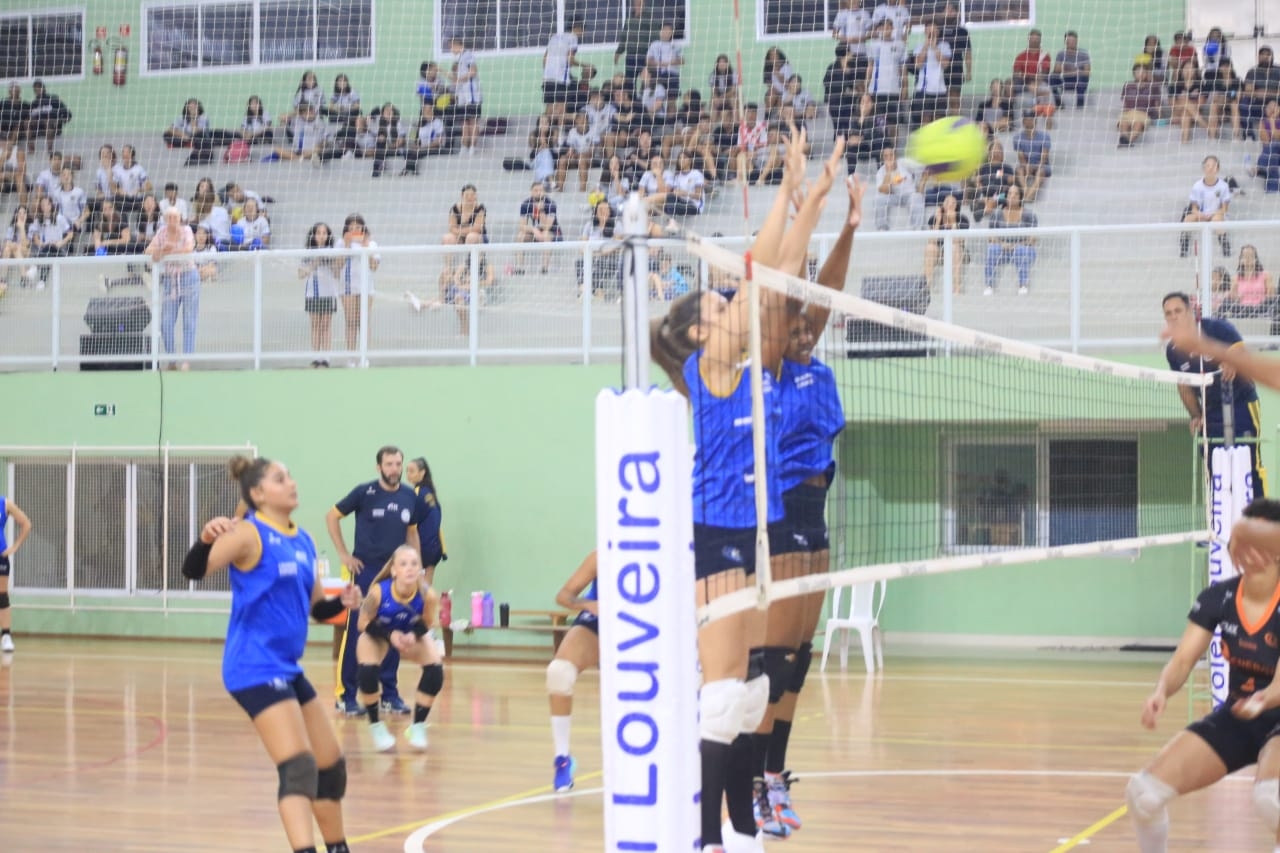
446,609
477,609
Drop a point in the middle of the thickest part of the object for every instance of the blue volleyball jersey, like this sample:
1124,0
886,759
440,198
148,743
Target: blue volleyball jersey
270,608
395,614
585,616
1244,394
812,417
4,522
724,464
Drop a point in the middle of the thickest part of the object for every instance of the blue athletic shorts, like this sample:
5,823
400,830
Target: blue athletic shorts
4,567
260,697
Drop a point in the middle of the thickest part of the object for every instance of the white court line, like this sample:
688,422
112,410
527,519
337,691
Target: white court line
416,841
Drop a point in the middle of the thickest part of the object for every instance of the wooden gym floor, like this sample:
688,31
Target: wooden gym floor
134,746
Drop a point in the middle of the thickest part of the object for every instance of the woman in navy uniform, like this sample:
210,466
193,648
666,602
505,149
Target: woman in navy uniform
398,612
700,344
9,509
578,652
430,538
1244,730
273,591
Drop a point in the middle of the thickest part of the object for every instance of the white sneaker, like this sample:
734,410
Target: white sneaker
1022,291
31,273
736,842
416,734
6,643
383,740
986,291
413,300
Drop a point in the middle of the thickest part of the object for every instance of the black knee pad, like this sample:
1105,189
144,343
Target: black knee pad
4,601
432,681
779,663
804,656
298,776
368,678
331,782
755,663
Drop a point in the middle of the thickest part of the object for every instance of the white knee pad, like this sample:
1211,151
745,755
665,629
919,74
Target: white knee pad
1147,797
757,703
720,705
1266,801
561,676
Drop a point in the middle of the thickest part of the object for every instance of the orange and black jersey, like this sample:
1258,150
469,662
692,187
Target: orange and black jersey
1253,650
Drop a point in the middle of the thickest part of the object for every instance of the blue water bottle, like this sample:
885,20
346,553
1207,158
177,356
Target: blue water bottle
487,609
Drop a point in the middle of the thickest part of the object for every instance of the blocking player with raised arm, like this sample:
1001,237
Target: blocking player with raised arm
274,588
1244,730
397,613
578,652
700,345
9,509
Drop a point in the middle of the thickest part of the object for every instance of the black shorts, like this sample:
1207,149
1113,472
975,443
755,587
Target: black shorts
805,524
4,567
432,556
888,107
466,111
259,698
556,93
321,304
588,621
1237,742
723,549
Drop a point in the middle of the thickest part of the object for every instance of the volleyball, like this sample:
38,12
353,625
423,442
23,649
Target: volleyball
949,149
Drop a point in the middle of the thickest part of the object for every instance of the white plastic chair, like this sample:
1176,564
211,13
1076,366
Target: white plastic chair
863,616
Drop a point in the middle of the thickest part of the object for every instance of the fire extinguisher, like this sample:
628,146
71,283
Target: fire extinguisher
120,66
97,58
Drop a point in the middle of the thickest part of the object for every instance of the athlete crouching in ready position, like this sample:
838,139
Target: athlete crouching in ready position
399,610
1244,730
274,587
578,652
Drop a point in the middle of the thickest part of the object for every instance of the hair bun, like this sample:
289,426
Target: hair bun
238,465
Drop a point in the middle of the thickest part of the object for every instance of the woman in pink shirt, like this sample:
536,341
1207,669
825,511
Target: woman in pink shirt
1252,292
179,282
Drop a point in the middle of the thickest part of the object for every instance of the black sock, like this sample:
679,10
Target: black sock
372,710
777,761
420,713
3,631
759,754
338,847
305,850
715,764
738,788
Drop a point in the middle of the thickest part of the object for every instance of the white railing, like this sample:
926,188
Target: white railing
1091,289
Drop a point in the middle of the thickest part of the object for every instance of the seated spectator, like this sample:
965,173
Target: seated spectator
655,185
172,199
766,161
309,133
989,186
111,234
467,220
343,105
51,233
628,120
842,85
1071,70
1219,289
1033,148
1210,199
722,88
600,113
579,148
1155,59
700,142
206,254
682,121
431,87
1223,86
1253,293
13,171
1183,50
131,181
13,117
1140,105
614,183
256,126
1188,100
637,159
17,240
798,106
455,286
255,228
667,282
538,223
948,217
308,95
653,98
930,64
104,186
390,137
896,187
46,116
664,60
1019,251
208,210
151,219
1268,167
1215,49
188,127
1029,63
777,71
994,113
602,226
71,201
753,135
46,183
428,140
1261,84
865,137
688,187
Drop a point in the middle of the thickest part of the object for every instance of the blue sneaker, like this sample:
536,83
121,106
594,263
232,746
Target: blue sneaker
350,707
395,705
565,765
780,799
766,821
273,157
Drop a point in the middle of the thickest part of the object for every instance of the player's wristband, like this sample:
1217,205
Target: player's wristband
196,564
327,608
377,629
419,628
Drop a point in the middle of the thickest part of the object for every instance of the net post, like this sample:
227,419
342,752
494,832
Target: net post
764,572
635,292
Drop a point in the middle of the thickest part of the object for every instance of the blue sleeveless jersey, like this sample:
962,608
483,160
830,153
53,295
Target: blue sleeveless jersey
586,617
812,417
394,614
270,609
724,465
4,522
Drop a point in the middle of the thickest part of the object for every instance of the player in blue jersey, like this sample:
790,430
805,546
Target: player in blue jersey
274,590
700,344
386,515
9,509
430,539
578,652
397,614
1246,412
1245,729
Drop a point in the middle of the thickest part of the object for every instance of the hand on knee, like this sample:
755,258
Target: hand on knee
561,676
1147,798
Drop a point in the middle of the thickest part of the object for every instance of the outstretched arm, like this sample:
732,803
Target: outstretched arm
1235,357
835,270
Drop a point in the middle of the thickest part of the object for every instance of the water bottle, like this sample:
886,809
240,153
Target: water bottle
487,607
446,609
477,608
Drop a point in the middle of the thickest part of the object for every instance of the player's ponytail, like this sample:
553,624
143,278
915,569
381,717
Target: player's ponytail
669,342
248,473
427,482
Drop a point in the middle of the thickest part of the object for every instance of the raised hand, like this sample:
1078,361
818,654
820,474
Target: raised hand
857,188
215,527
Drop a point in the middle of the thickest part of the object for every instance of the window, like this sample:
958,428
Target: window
488,26
808,18
1040,491
209,34
44,44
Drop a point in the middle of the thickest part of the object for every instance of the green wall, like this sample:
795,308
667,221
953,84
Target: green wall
1112,31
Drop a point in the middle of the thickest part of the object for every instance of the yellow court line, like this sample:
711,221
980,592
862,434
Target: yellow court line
1087,833
469,810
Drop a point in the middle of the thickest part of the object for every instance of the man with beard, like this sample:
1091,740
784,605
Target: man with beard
386,518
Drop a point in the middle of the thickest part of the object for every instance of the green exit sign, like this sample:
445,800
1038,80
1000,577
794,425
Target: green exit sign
104,410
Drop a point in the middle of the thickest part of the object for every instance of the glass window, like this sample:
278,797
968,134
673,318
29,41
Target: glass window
58,45
226,35
1093,490
795,17
493,25
474,21
527,23
173,38
287,32
999,11
345,30
15,46
994,494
